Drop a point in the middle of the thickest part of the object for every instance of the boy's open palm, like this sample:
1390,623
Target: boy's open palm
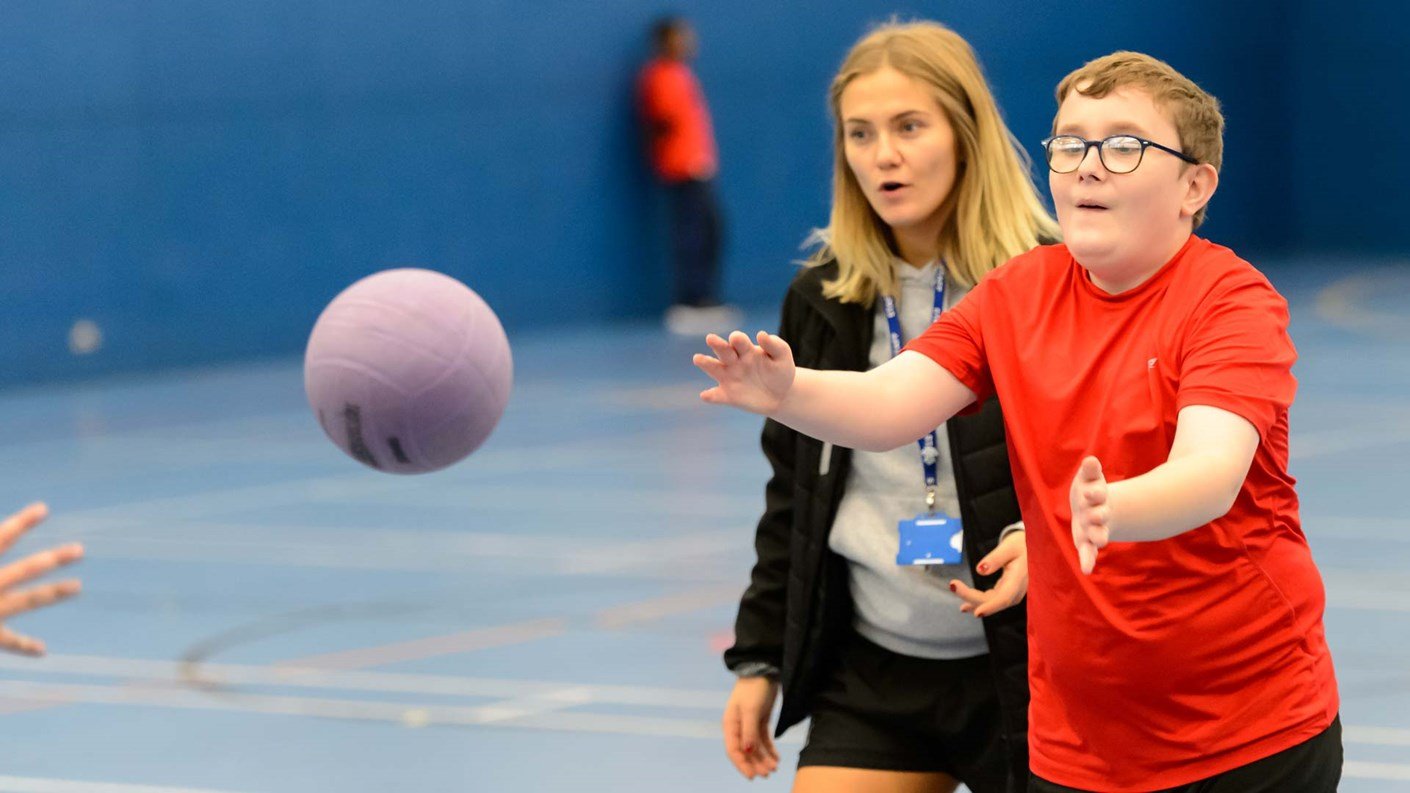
750,376
1090,515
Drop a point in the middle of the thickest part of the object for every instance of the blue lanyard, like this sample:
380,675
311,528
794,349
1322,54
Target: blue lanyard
929,451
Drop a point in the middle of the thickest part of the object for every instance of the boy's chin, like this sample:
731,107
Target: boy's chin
1089,247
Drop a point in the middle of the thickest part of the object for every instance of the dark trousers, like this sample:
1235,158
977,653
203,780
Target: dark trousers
696,240
1313,766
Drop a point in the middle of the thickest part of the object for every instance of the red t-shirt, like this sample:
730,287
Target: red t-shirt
678,122
1180,659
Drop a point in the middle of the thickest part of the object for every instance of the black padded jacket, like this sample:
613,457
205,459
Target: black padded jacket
798,609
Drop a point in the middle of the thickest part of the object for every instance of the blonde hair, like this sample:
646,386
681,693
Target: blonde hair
1198,120
993,212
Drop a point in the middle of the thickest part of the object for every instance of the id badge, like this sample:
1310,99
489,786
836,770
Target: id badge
930,539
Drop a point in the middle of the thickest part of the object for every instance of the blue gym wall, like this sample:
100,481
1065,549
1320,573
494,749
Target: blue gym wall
1348,90
199,177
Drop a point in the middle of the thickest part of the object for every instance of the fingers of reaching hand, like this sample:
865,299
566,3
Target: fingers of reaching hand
1090,483
722,349
742,344
1090,534
716,366
12,603
1090,513
35,565
709,365
1091,469
737,359
1087,556
774,347
1092,524
14,526
1098,534
19,643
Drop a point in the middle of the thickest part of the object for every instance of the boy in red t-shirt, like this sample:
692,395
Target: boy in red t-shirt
684,159
1175,614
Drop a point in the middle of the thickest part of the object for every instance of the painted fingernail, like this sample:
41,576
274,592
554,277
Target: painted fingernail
983,568
954,588
748,748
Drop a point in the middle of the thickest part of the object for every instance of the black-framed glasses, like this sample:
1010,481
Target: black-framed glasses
1118,153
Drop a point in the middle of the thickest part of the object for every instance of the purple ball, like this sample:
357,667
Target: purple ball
408,371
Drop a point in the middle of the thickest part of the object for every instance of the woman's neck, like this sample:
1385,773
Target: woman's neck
917,247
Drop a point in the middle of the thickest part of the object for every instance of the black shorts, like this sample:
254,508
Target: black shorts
890,712
1313,766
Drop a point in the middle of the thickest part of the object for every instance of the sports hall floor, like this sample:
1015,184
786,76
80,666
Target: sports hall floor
262,614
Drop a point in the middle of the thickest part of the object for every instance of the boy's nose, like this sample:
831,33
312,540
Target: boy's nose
1091,165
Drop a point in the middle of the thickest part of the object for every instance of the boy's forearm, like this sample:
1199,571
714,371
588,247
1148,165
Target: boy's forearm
887,407
1171,499
828,405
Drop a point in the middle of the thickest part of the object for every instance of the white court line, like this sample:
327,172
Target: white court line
532,704
221,674
420,649
406,714
1358,769
530,707
411,550
432,646
1376,736
30,784
546,717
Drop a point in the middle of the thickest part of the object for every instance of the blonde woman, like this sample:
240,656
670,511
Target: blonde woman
906,689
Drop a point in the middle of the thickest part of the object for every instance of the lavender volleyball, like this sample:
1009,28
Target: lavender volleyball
408,371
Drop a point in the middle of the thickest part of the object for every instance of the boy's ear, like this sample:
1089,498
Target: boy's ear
1200,183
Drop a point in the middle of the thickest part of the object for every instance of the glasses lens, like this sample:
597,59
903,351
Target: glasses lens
1065,153
1121,154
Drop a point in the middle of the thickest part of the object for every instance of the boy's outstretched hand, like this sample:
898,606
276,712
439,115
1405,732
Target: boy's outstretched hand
1090,513
750,376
